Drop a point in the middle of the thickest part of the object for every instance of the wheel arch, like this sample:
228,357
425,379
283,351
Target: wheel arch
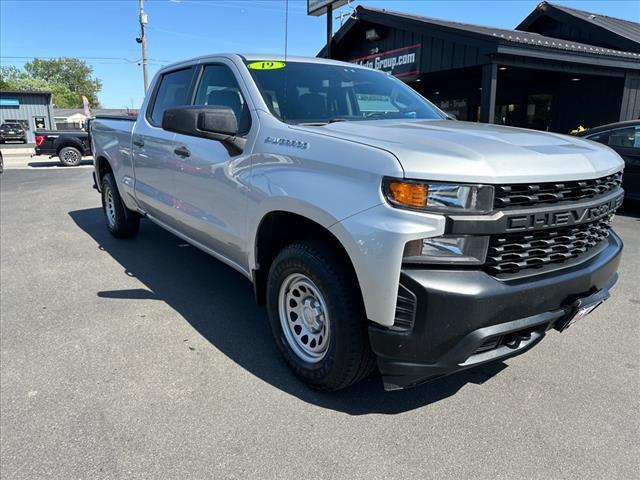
69,143
102,167
279,228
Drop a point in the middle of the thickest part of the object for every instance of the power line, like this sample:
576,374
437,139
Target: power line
192,35
59,56
242,4
93,60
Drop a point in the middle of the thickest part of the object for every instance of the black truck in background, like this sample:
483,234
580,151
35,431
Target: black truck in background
69,146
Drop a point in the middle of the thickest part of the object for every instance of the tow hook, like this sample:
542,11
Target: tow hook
514,340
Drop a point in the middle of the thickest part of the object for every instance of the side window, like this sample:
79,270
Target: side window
172,92
218,87
623,137
600,137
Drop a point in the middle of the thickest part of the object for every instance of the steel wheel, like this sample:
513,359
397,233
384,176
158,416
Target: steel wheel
110,207
304,317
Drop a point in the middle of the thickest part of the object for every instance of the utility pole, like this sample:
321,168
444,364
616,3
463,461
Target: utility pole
329,28
142,39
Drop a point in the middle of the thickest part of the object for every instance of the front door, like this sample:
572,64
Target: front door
211,194
153,157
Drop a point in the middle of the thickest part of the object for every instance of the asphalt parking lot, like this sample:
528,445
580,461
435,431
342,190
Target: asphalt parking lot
146,358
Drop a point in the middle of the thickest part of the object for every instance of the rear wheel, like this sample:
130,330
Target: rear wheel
317,316
70,156
121,222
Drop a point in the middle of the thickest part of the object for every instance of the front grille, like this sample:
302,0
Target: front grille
512,253
531,194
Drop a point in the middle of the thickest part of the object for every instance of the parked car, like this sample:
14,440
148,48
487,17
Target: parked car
397,238
12,132
624,138
69,146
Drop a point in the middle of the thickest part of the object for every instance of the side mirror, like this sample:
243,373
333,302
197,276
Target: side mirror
451,115
215,123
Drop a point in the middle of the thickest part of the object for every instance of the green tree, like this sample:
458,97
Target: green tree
68,75
12,78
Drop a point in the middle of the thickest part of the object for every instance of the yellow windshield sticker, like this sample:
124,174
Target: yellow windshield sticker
266,65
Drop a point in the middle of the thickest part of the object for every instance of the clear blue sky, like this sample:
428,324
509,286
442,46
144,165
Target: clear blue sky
180,29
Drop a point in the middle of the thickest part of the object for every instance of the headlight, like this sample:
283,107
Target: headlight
438,197
469,250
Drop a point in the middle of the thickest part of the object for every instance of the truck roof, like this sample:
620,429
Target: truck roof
261,56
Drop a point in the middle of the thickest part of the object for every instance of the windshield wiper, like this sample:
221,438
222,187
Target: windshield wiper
320,124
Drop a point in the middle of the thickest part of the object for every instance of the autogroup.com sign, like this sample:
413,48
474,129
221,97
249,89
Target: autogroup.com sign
399,62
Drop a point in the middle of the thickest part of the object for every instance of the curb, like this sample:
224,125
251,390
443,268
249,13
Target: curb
16,152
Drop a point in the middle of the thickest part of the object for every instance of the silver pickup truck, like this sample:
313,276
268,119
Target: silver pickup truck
380,232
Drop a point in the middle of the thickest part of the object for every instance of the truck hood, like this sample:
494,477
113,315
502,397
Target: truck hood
480,153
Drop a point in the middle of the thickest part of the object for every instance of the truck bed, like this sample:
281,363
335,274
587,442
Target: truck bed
111,141
109,133
50,142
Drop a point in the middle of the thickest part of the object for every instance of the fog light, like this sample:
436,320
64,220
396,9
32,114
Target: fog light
465,250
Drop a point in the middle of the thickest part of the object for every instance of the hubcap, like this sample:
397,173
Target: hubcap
304,317
109,207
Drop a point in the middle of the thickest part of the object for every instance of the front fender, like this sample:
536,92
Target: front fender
375,240
287,205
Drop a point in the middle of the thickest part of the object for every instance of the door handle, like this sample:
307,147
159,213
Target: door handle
182,152
138,142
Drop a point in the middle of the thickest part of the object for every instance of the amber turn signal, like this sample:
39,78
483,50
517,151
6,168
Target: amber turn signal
412,195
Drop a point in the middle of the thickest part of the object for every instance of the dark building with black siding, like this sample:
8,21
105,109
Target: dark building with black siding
558,69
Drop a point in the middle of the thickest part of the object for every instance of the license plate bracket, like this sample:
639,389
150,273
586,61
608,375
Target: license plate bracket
583,307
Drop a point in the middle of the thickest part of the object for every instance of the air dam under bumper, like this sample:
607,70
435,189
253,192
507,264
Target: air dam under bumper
466,318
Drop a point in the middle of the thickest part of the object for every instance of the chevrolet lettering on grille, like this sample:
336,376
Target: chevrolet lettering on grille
572,216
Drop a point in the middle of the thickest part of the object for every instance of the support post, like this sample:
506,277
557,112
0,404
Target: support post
488,97
630,107
329,28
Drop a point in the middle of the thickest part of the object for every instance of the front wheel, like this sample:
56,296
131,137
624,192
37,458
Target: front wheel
317,316
70,156
121,222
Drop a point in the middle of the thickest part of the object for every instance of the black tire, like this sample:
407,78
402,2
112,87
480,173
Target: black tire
121,222
348,358
70,156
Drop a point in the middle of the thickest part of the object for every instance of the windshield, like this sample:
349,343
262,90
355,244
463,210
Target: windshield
317,93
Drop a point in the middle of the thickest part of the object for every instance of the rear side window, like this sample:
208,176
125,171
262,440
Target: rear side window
172,92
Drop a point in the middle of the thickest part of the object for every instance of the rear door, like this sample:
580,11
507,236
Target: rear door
153,158
209,183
